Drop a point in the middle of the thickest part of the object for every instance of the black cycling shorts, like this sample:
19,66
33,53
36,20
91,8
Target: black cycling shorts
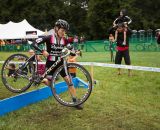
50,63
120,55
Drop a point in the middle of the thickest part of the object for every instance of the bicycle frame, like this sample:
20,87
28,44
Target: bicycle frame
49,69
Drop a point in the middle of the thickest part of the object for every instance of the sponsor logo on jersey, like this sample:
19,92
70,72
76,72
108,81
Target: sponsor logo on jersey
39,40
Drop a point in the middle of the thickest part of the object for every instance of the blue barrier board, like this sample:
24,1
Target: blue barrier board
16,102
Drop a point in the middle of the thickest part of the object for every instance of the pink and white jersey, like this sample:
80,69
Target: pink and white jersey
53,45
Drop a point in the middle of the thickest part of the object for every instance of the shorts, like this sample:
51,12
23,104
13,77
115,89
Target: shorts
120,55
50,63
41,69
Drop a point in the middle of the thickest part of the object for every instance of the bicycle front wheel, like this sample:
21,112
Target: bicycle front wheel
139,47
15,75
152,47
81,83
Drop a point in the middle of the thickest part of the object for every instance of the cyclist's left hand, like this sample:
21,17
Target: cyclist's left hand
79,52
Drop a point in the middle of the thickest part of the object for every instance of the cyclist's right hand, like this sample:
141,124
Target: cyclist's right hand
45,53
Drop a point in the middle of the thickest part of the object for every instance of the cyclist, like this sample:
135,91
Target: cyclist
54,46
123,18
122,50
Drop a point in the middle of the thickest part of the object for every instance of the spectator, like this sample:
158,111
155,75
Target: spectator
32,52
70,40
111,46
2,45
82,41
73,58
11,69
111,38
122,50
122,19
158,38
41,66
75,42
72,71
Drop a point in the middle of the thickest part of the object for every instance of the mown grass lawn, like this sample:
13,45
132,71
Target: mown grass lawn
116,103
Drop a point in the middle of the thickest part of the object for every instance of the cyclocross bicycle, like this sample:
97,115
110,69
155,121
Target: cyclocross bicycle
20,72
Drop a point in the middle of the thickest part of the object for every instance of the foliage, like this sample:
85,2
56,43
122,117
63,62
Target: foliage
91,18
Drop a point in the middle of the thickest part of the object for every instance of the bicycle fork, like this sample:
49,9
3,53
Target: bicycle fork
69,81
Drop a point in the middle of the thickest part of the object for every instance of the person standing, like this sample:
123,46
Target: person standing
122,19
158,38
82,42
123,50
75,42
73,59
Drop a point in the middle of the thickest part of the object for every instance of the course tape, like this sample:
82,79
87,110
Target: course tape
154,69
144,68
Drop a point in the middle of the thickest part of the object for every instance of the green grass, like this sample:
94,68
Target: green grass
116,103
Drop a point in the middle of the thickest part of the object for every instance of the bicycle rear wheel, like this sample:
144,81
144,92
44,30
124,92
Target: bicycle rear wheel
82,83
106,47
15,75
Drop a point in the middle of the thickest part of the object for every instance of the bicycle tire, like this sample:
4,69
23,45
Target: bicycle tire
18,80
82,84
106,47
152,47
139,47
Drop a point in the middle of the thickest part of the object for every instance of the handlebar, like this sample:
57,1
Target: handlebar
65,52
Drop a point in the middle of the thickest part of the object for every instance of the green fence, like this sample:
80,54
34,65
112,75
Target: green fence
136,44
16,48
19,47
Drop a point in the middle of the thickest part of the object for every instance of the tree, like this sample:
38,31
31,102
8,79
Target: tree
91,18
100,17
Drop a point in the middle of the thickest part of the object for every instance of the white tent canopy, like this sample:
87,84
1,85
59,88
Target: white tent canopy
50,32
19,30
